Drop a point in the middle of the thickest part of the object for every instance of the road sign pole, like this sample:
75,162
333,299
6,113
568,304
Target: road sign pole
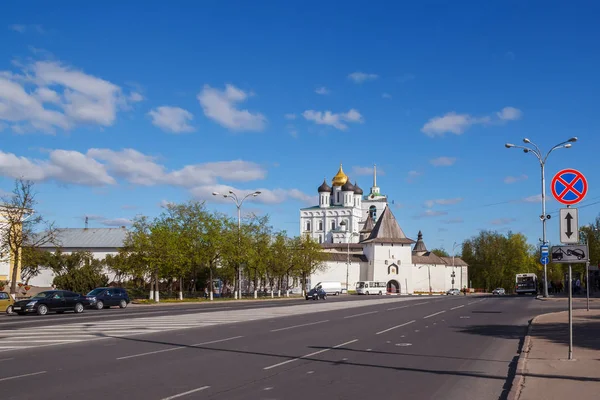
543,164
587,283
570,314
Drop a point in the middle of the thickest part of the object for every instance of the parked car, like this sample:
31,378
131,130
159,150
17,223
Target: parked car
453,292
316,294
499,292
334,288
6,303
104,297
51,300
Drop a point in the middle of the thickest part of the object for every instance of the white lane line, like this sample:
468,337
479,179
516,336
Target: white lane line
177,348
396,308
6,359
457,307
394,327
41,341
361,314
186,393
298,326
434,314
418,304
22,376
309,355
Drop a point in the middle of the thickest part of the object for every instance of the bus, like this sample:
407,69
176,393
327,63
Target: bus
371,287
526,283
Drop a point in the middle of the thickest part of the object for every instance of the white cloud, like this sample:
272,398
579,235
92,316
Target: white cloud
443,202
290,116
386,96
333,119
360,77
533,199
18,28
443,161
110,221
135,97
267,196
172,119
62,165
513,179
509,114
220,106
502,221
363,171
75,98
459,123
430,213
453,221
322,90
413,175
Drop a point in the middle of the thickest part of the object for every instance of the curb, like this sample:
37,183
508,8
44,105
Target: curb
519,379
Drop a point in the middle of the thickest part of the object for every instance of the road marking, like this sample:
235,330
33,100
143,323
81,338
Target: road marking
309,355
6,359
186,393
394,327
434,314
358,315
404,344
178,348
298,326
454,308
418,304
22,376
396,308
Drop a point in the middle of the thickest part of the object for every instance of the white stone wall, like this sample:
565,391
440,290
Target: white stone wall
335,271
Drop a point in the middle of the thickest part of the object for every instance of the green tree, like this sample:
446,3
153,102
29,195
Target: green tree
307,258
79,272
440,252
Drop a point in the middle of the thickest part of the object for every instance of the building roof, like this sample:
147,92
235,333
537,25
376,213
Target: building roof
344,257
368,226
420,246
89,238
348,187
387,230
324,188
428,258
340,178
458,262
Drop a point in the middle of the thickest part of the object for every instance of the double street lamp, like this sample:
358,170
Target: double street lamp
238,204
454,246
535,150
349,236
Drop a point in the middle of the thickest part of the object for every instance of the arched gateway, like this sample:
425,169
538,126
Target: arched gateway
393,287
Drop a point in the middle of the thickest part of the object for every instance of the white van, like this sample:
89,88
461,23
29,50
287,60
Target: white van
334,288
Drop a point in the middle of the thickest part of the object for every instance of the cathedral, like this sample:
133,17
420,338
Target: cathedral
365,244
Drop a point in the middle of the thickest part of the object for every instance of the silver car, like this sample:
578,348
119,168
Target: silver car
499,292
453,292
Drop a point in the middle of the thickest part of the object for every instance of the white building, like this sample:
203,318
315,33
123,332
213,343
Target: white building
340,206
364,242
98,241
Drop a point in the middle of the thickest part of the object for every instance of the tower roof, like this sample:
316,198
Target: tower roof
340,178
324,188
420,246
357,190
368,226
387,230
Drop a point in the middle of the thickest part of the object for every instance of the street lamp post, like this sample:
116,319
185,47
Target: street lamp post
453,266
343,223
238,204
542,159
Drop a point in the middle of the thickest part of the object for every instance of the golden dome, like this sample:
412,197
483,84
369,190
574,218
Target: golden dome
340,178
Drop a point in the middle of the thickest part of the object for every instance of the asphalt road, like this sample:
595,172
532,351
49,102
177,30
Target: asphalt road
429,347
147,310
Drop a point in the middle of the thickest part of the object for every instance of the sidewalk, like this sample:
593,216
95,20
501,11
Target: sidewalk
544,371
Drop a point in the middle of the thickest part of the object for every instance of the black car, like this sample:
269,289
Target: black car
104,297
316,294
51,300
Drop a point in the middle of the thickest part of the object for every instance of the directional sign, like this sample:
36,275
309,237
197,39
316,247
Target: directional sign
544,260
569,225
570,254
544,250
569,186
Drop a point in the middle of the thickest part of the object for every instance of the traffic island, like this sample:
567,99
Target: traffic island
544,371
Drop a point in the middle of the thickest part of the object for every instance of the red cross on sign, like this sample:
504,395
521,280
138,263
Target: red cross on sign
569,186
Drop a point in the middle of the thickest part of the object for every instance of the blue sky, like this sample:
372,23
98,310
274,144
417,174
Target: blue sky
114,108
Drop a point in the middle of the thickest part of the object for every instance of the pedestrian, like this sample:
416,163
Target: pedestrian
205,293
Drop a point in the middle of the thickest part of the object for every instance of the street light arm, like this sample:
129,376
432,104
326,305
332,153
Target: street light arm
529,150
563,145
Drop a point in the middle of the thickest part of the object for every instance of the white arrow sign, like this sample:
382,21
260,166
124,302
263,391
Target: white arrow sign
569,225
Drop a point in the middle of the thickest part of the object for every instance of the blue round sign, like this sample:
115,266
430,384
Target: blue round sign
544,260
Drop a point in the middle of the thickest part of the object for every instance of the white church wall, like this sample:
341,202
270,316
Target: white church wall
335,271
420,278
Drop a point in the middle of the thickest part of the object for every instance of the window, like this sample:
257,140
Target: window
3,296
308,225
373,212
320,239
320,225
332,224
